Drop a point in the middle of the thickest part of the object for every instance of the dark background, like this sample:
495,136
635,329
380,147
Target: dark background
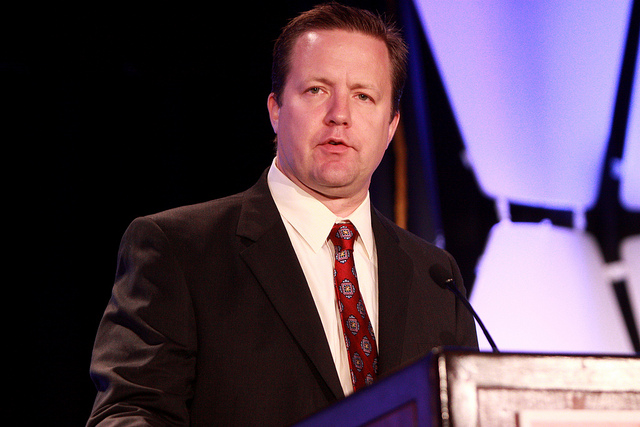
115,112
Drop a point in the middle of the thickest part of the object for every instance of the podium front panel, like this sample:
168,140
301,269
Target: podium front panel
488,389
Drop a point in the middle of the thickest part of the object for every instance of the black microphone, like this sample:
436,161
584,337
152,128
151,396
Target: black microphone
443,278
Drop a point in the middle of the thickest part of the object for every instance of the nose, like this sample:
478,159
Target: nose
339,112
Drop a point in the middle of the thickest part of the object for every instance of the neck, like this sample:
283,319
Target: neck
341,207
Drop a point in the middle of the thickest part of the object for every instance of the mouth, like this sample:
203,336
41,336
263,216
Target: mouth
335,142
334,146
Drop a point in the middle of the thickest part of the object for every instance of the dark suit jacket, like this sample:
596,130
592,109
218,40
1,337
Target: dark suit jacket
211,321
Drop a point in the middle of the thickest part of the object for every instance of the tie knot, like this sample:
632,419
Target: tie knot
343,235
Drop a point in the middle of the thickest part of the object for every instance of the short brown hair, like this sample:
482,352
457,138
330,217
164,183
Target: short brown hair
334,16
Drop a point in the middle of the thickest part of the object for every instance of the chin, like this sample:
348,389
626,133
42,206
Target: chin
336,178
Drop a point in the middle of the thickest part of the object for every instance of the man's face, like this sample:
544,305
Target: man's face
333,121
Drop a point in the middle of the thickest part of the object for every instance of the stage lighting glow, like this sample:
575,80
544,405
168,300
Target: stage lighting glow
545,288
532,85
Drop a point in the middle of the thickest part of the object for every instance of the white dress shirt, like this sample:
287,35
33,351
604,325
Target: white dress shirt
308,223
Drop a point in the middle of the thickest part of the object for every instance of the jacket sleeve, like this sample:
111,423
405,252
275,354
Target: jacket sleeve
143,359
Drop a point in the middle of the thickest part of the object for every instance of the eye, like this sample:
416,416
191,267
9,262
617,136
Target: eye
364,97
314,90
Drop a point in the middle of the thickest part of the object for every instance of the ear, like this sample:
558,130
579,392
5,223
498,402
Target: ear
393,125
274,111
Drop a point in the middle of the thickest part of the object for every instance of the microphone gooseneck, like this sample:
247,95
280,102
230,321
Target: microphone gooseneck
444,279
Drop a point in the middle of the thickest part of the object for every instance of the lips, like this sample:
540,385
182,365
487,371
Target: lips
335,141
334,145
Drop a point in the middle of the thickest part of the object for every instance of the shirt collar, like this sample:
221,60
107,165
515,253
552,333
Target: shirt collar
310,218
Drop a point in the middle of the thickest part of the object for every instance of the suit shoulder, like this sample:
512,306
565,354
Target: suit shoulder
189,227
189,232
221,214
199,215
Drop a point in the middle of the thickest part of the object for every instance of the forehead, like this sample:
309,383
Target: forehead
341,53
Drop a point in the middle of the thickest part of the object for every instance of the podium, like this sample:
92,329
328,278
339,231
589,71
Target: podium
461,388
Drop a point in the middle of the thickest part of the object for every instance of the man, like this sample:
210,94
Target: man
237,311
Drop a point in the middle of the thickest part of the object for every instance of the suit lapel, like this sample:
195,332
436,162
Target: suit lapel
394,283
272,260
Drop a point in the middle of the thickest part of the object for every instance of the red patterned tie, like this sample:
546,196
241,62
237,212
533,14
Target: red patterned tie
358,332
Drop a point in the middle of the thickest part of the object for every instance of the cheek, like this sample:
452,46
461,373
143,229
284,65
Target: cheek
378,151
293,134
376,129
300,125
